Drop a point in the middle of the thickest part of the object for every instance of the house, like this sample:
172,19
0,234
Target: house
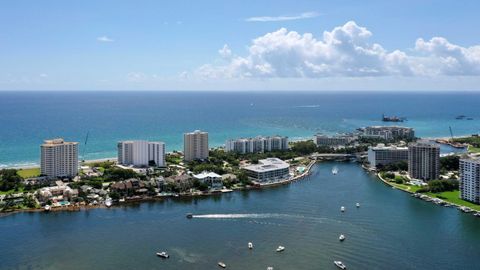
212,179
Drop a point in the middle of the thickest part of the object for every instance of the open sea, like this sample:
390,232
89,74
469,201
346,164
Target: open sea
390,230
27,118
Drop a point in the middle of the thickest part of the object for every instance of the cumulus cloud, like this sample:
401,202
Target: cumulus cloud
346,51
225,52
104,39
305,15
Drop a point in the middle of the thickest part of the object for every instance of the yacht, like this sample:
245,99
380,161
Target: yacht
222,264
342,208
250,245
358,205
280,248
340,265
341,237
108,202
163,254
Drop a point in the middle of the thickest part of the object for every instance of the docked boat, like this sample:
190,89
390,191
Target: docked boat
250,245
108,202
340,265
341,237
163,254
280,248
222,264
342,208
357,205
47,208
189,215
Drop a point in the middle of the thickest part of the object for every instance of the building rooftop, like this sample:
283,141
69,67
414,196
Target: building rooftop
268,164
56,141
203,175
382,146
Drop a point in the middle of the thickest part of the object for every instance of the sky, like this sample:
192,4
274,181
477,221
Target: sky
240,45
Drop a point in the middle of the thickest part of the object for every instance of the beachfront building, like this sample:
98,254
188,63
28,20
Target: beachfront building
258,144
141,153
332,141
59,158
383,155
212,179
195,145
424,161
470,180
268,170
389,132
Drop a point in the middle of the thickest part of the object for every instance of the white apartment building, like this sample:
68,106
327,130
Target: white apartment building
268,170
141,153
212,179
195,145
59,158
424,161
383,155
470,180
324,140
258,144
389,132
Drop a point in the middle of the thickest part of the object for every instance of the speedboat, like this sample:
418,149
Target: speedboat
47,207
108,202
189,215
342,208
222,264
340,265
163,254
280,248
358,205
250,245
341,237
334,170
269,268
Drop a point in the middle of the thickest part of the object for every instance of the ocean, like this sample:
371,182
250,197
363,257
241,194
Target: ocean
29,117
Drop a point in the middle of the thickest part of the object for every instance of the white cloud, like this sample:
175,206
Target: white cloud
225,52
105,39
305,15
345,51
136,77
43,75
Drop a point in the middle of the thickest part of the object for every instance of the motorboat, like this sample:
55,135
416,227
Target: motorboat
280,248
342,208
340,265
250,245
108,202
341,237
357,205
163,254
189,215
334,170
47,208
222,264
270,268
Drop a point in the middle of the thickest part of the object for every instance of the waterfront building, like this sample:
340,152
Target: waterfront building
389,132
212,179
141,153
268,170
383,155
341,140
424,160
258,144
59,158
470,180
195,145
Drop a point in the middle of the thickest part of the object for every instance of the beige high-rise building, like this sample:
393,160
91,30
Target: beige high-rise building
195,145
424,161
59,158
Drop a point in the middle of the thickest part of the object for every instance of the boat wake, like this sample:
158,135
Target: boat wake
245,216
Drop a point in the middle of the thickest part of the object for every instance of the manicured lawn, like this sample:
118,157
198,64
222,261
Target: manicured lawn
472,149
406,187
453,197
27,173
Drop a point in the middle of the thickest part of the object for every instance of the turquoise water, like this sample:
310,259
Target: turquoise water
27,118
391,230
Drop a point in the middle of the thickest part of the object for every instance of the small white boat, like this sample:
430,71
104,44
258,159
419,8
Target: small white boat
163,254
108,202
339,264
269,268
47,208
250,245
341,237
334,170
222,264
280,248
358,205
342,208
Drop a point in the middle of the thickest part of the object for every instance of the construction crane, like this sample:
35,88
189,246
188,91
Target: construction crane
451,132
85,146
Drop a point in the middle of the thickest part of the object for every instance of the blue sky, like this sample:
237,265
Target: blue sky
174,45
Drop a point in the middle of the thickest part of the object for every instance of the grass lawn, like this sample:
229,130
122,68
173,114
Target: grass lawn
406,187
453,197
472,149
27,173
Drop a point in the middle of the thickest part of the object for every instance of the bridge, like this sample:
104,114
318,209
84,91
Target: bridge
319,156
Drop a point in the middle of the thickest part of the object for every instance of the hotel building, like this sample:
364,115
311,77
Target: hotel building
470,180
257,145
324,140
59,158
141,153
424,161
383,155
389,132
195,145
268,170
